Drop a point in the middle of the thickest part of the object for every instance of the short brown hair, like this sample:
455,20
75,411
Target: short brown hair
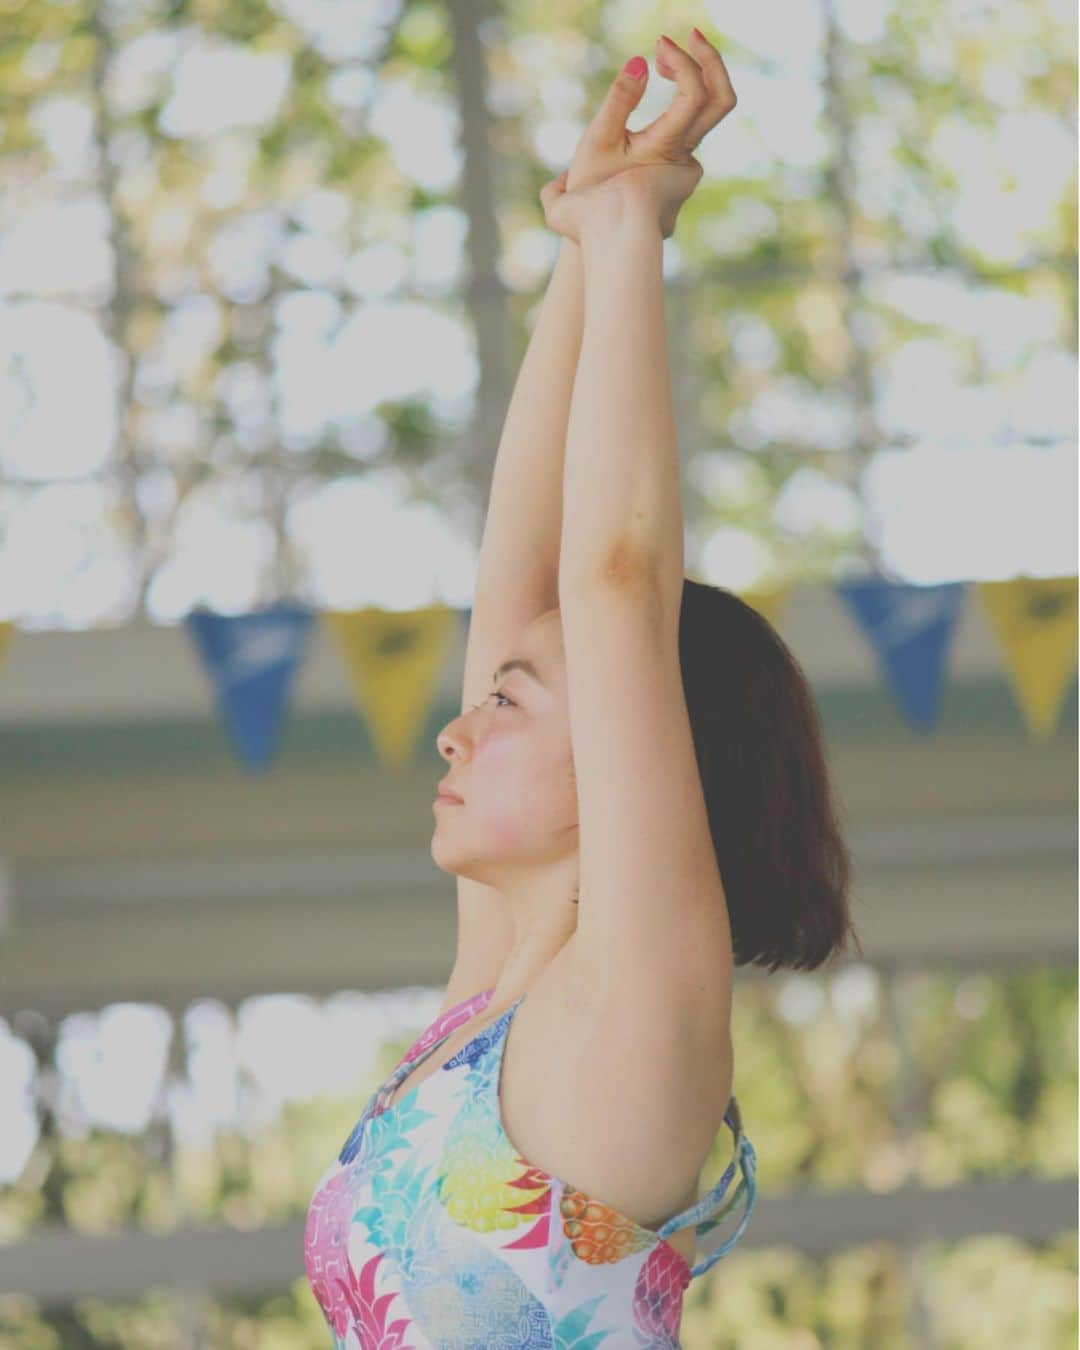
784,864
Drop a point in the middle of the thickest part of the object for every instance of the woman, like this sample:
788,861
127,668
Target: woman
638,806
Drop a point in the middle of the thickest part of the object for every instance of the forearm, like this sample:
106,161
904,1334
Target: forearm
523,525
621,488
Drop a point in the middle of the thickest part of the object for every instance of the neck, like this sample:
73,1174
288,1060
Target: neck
543,924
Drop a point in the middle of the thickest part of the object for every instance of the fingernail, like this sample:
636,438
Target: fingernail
636,66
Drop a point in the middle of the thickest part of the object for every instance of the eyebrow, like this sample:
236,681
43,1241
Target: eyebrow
518,663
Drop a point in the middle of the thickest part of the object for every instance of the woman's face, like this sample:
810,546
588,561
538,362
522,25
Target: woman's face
510,761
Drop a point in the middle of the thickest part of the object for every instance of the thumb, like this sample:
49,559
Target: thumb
609,125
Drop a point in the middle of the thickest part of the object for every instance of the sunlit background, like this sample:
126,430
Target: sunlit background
267,272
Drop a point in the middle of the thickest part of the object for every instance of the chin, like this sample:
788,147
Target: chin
444,857
440,857
455,866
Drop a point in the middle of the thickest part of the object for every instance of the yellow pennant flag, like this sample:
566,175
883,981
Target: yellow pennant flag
7,629
394,660
768,601
1035,620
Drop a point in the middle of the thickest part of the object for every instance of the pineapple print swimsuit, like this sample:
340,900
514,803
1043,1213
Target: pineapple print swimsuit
430,1232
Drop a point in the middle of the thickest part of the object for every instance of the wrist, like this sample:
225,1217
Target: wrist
630,228
569,263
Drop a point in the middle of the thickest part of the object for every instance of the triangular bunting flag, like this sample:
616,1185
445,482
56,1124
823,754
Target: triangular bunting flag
909,629
1035,621
394,660
252,660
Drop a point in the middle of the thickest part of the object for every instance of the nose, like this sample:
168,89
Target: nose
452,740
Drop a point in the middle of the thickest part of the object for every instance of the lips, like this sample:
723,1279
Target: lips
444,791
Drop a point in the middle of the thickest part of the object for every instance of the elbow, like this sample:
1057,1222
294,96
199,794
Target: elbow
627,563
624,563
626,569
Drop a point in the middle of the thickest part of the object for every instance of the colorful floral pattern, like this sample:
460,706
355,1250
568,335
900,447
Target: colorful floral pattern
429,1232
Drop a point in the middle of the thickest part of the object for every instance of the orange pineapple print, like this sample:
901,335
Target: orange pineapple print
597,1234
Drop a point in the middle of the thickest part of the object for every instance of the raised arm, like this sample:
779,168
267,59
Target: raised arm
517,576
621,480
518,572
652,920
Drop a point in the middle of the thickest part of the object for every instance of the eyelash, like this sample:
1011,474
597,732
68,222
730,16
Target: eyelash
495,693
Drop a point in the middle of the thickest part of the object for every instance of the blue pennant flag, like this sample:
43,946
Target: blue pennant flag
909,628
252,659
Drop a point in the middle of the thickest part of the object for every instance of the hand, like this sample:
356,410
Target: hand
653,193
704,97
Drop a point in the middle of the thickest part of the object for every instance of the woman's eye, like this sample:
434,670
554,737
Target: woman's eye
495,693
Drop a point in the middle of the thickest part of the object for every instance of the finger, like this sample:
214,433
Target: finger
718,83
608,127
670,129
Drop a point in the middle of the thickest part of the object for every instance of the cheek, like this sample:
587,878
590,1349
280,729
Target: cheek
523,785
